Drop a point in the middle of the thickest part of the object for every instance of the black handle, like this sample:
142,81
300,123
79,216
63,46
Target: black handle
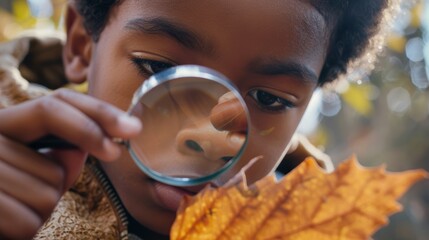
50,141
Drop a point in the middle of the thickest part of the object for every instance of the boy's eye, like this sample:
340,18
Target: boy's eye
149,67
270,102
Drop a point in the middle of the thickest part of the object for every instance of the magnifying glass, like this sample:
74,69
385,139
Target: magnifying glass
195,126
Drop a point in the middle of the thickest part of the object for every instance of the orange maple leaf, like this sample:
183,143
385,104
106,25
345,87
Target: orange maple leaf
350,203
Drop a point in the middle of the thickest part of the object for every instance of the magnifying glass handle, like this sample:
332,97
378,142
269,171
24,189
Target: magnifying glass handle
50,141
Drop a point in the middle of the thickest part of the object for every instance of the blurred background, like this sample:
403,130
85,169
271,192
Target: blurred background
383,118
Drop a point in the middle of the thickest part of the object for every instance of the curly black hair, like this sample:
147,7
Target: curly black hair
358,30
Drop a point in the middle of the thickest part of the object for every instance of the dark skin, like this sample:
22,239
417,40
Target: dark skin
276,48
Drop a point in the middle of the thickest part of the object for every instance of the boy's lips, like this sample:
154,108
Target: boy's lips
171,196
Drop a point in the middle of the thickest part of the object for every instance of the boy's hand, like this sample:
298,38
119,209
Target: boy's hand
31,183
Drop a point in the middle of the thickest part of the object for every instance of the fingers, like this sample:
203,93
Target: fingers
113,120
30,187
26,160
52,116
28,190
79,119
60,170
229,114
72,161
14,214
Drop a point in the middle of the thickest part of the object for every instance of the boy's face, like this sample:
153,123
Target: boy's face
272,52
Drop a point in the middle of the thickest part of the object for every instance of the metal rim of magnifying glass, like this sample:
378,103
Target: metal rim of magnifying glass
181,72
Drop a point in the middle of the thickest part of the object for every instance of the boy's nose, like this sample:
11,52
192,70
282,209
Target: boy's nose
206,141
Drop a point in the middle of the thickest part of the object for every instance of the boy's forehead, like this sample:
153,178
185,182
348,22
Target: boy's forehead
299,14
252,8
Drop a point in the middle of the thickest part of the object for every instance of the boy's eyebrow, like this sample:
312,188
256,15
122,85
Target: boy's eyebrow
272,66
181,34
191,40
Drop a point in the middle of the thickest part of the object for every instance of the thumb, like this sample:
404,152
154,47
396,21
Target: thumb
72,161
229,116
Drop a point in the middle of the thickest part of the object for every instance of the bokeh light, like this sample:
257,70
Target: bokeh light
398,100
414,49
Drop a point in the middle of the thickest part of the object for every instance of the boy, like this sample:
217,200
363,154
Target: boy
277,53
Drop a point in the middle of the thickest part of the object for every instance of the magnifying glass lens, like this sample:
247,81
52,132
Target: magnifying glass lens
194,126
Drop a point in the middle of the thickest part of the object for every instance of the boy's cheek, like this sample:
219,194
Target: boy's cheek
112,85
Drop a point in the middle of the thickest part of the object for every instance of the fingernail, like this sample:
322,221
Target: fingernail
229,116
227,97
237,138
130,123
